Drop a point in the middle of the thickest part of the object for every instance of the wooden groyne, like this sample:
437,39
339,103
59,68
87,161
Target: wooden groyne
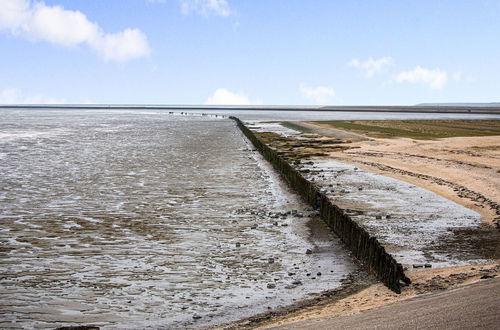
365,247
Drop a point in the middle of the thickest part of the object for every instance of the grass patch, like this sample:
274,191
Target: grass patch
418,129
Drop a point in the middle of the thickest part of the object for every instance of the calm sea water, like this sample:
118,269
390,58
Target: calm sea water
135,219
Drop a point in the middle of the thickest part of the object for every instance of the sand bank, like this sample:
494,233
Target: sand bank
462,169
465,170
376,295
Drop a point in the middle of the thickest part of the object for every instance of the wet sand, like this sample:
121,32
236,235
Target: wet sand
463,170
376,295
139,219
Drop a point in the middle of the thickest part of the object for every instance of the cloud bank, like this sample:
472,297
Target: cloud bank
223,96
371,65
206,7
317,94
54,24
15,96
435,79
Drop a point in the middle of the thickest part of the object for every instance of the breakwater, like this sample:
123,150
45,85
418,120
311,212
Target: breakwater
365,247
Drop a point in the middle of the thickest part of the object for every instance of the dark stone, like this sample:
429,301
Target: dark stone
309,251
271,285
363,245
196,317
270,260
238,244
378,217
319,273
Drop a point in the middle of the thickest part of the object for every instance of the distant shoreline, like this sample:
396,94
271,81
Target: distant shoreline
483,109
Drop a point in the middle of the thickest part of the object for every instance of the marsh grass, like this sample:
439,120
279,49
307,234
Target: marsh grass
418,129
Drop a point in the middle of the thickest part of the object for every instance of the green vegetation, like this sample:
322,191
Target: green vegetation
418,129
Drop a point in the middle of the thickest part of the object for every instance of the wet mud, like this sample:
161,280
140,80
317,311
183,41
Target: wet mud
418,227
136,219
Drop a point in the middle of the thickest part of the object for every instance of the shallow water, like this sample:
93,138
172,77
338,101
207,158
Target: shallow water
135,219
415,225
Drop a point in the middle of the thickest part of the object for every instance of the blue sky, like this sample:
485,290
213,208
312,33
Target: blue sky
296,52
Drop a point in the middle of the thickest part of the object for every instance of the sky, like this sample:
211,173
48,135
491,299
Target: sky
246,52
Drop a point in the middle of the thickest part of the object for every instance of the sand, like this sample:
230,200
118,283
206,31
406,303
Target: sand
376,295
465,170
462,169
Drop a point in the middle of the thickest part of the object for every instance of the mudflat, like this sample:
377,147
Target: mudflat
440,156
458,160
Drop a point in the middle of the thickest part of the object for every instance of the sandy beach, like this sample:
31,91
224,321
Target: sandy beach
377,295
462,169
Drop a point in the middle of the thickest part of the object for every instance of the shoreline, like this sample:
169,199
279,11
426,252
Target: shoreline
472,182
423,281
375,296
359,299
461,109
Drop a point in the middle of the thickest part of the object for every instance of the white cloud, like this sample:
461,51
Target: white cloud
131,43
54,24
317,94
371,65
435,79
223,96
206,7
15,96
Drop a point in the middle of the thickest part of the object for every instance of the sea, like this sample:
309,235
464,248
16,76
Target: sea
155,219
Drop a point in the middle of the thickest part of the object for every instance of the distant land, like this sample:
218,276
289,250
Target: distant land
491,104
483,108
